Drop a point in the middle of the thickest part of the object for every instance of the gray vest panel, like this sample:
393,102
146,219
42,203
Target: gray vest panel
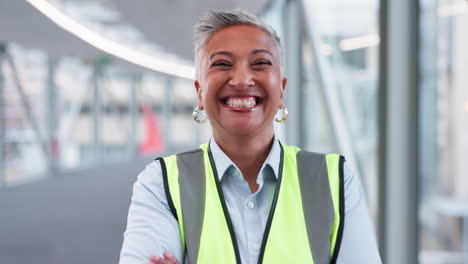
317,203
192,199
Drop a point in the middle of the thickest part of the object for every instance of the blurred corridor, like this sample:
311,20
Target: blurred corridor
92,91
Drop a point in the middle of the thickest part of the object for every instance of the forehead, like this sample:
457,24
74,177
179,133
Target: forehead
239,39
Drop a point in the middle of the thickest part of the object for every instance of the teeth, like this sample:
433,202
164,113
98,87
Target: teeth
247,102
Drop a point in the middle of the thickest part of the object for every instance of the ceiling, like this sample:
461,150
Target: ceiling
165,23
21,23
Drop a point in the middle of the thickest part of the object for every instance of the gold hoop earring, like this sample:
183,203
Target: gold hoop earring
195,115
285,114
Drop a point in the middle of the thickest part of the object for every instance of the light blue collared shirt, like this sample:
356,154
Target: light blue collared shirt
152,230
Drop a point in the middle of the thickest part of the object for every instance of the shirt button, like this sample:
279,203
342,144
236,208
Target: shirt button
256,247
250,204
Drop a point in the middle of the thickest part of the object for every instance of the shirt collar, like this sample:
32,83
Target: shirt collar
223,162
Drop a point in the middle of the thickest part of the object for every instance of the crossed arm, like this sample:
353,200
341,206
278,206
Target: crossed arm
166,259
152,234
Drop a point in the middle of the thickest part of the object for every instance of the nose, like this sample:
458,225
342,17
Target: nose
242,77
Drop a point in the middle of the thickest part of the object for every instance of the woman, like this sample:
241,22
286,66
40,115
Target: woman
245,197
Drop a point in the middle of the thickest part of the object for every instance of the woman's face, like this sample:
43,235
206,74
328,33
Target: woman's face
240,84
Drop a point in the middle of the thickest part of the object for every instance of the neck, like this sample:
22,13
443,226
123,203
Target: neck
248,153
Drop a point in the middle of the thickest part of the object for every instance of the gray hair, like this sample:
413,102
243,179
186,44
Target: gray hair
214,21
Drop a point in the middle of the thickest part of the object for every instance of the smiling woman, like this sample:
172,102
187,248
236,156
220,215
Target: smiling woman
240,84
245,197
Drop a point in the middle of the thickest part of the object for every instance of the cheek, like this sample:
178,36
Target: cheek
275,89
212,85
209,95
271,79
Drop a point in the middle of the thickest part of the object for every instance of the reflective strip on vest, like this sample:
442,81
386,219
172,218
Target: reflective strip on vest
305,222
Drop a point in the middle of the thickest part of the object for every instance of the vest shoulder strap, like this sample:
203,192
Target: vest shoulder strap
192,197
317,173
191,183
184,184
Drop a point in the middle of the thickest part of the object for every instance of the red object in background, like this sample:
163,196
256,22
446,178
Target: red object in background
54,148
153,142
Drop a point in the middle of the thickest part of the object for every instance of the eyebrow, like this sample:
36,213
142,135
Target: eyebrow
229,54
262,50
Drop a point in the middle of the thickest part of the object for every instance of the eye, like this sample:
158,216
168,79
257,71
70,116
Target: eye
262,62
221,64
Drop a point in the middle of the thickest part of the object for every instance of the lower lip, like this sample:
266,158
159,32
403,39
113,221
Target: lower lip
242,109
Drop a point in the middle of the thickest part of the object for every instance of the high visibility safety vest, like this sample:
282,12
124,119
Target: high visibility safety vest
306,219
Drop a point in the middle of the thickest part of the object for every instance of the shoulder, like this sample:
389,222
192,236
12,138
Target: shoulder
352,187
320,160
152,173
149,184
310,154
317,154
162,160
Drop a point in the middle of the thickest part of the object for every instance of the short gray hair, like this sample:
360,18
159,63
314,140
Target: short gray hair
214,21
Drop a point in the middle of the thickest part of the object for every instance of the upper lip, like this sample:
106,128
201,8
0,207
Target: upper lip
224,97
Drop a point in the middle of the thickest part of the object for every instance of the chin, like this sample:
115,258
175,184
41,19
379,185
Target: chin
243,128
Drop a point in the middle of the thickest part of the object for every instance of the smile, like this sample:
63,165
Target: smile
242,103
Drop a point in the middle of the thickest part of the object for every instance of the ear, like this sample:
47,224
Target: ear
284,81
199,93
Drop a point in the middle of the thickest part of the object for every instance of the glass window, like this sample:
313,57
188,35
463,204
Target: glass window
444,132
348,38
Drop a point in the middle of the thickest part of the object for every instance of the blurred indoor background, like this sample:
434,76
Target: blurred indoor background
92,90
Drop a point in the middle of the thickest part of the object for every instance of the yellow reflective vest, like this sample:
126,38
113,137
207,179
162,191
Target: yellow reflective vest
306,219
